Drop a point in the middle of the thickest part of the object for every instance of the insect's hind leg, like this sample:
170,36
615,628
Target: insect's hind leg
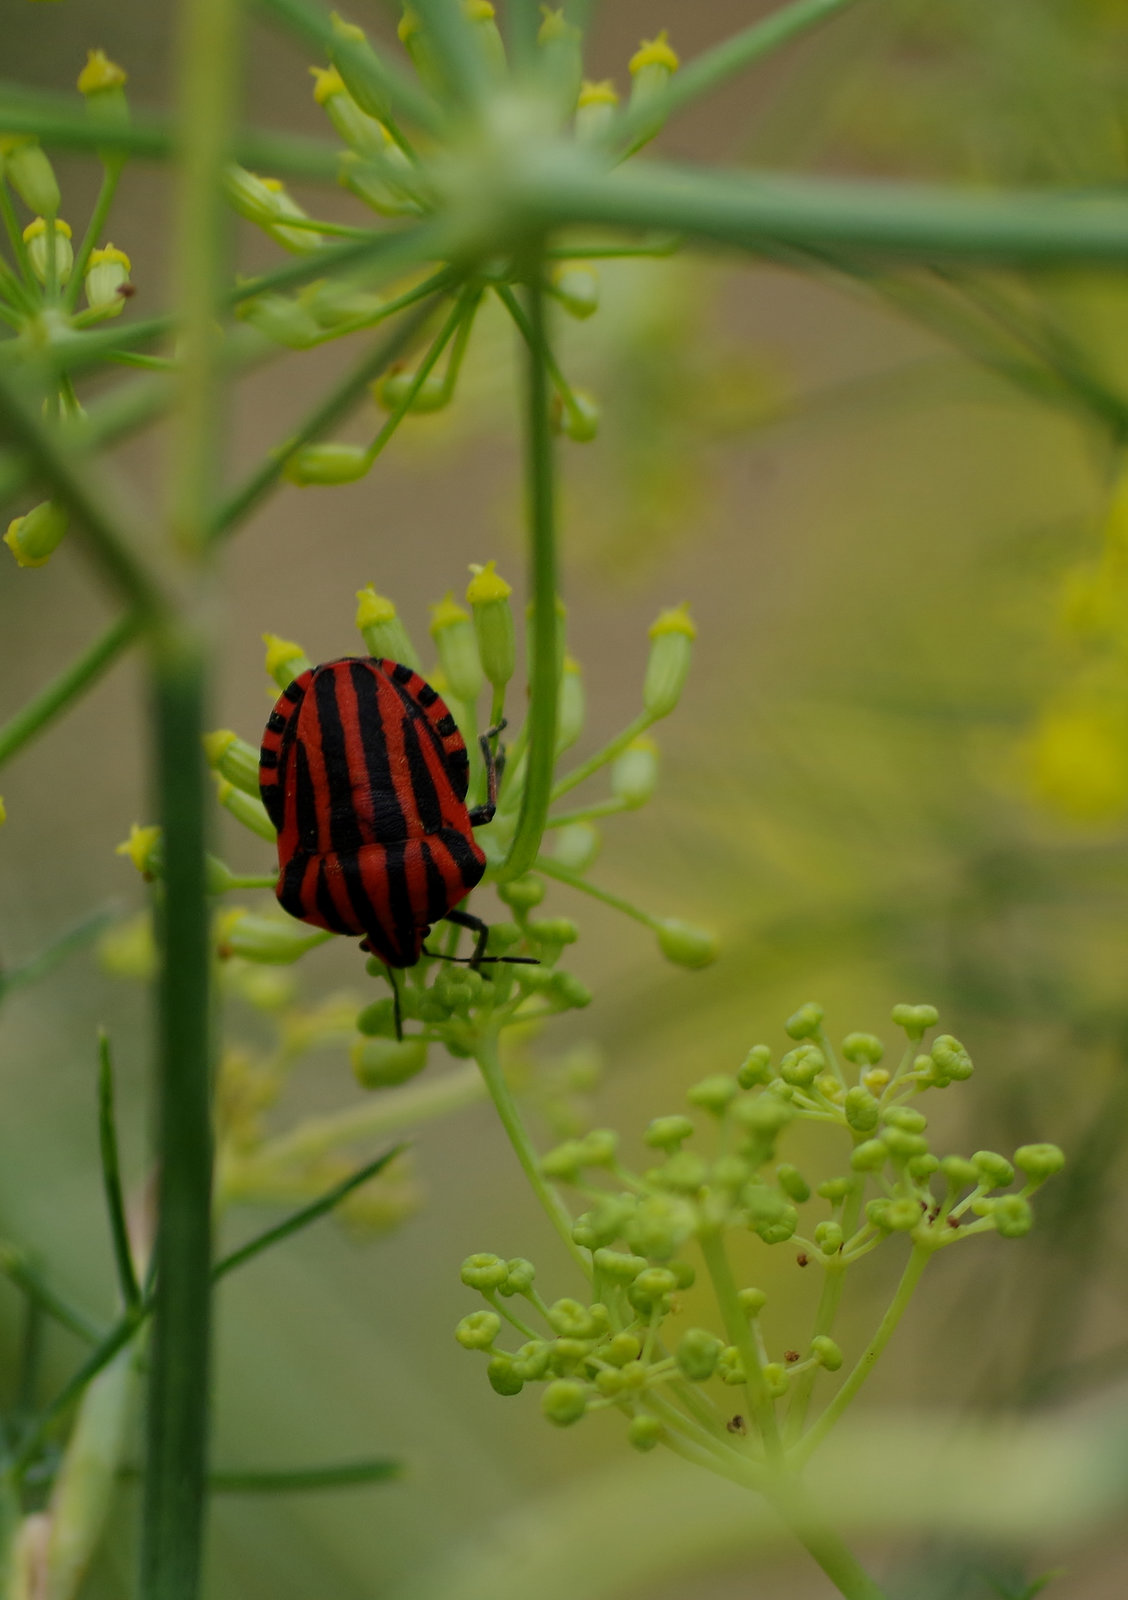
466,919
495,766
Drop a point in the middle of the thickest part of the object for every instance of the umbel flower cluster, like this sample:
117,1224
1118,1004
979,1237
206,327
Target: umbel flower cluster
456,1005
725,1393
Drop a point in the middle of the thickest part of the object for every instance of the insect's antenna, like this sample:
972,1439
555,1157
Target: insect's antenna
477,961
397,1013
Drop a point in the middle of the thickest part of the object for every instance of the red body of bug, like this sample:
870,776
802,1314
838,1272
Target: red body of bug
364,774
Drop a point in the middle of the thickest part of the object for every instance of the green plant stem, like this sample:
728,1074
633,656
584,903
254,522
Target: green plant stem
16,239
599,808
111,1176
826,1547
459,311
19,1270
451,37
296,1480
740,1334
559,381
110,177
818,1431
610,751
67,687
76,937
489,1063
553,869
328,411
541,494
825,1313
302,1218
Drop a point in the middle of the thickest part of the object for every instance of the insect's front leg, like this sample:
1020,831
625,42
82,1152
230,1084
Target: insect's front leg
495,766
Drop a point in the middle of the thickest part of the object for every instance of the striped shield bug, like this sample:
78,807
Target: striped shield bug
364,774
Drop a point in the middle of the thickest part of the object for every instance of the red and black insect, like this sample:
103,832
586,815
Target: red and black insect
364,774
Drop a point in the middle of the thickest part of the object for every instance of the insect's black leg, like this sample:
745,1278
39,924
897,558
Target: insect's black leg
495,766
397,1013
466,919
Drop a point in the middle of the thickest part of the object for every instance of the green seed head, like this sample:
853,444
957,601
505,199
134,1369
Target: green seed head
713,1094
382,1063
564,1402
697,1354
1012,1215
505,1375
1039,1161
863,1049
993,1169
484,1272
829,1238
870,1156
751,1301
756,1068
826,1352
478,1331
916,1020
618,1266
519,1276
806,1022
644,1433
685,945
801,1067
793,1184
861,1109
667,1133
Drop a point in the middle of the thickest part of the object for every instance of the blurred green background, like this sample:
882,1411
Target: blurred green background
898,773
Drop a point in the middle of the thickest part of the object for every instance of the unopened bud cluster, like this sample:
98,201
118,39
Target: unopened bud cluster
718,1170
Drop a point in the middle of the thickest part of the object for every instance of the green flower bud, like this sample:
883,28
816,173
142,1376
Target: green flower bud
478,1331
381,1063
775,1379
403,389
634,776
577,845
576,415
765,1116
564,1402
522,893
605,1222
683,1172
793,1183
618,1267
252,197
280,319
484,1271
1039,1161
30,173
103,82
904,1145
571,706
358,66
863,1048
756,1067
644,1433
713,1094
834,1189
902,1215
570,991
826,1352
652,1285
730,1368
635,1375
769,1214
595,110
519,1277
806,1022
652,66
869,1157
488,598
950,1059
361,132
273,940
610,1382
599,1147
685,1276
378,1020
667,668
829,1238
577,289
571,1320
107,274
251,813
505,1375
332,462
685,945
877,1212
1012,1216
532,1360
905,1117
801,1067
861,1109
921,1167
384,634
751,1301
916,1020
553,932
453,633
38,238
564,1162
697,1354
567,1353
960,1173
993,1169
660,1226
234,759
667,1133
34,537
622,1349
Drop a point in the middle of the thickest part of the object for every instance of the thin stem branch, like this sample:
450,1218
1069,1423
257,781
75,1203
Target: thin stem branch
72,682
489,1062
101,211
111,1176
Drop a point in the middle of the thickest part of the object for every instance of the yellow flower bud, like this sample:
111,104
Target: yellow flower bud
453,634
271,940
245,809
100,74
36,237
672,634
233,758
384,633
652,66
106,272
144,849
655,54
361,132
33,538
480,14
285,660
488,595
30,173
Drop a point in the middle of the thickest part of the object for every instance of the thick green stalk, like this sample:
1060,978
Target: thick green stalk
176,1464
489,1062
757,213
825,1314
867,1360
66,688
541,492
